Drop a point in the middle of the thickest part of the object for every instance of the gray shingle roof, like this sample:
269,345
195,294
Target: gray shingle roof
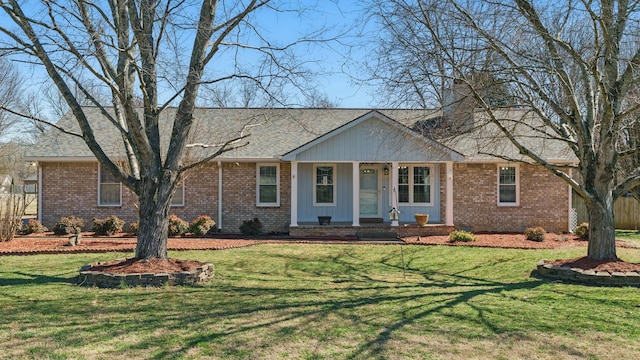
273,132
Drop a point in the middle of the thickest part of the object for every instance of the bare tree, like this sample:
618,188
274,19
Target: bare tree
10,95
319,100
139,52
573,64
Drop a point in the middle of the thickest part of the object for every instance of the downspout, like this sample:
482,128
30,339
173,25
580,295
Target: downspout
570,215
39,193
219,196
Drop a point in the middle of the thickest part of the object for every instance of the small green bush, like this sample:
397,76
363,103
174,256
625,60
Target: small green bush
33,227
535,234
582,231
251,227
68,225
107,227
461,235
202,225
177,226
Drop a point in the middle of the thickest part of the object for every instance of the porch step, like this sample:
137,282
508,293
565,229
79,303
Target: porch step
377,235
371,220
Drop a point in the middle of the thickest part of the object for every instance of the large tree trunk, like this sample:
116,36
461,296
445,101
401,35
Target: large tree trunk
602,236
153,232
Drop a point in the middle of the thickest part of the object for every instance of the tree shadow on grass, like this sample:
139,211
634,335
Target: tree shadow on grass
22,278
272,313
436,298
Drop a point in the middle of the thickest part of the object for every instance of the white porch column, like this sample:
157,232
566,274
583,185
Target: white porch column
448,217
294,194
394,187
356,193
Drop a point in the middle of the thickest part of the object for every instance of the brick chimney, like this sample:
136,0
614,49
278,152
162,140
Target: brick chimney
458,107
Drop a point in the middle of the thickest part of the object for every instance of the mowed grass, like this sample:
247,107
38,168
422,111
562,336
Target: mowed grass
628,235
322,302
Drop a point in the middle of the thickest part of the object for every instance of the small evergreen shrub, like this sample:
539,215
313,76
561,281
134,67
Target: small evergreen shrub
177,226
135,227
202,225
33,227
461,235
68,225
582,231
251,227
107,227
535,233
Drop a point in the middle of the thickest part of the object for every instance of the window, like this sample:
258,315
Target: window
324,185
178,196
414,184
268,185
508,194
109,189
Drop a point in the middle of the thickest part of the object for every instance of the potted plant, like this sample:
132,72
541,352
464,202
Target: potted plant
324,220
422,219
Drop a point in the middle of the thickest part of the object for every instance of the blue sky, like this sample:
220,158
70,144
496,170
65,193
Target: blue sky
337,63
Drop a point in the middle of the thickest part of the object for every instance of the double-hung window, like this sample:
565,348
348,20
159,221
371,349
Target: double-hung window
324,185
268,185
415,184
109,189
178,196
508,187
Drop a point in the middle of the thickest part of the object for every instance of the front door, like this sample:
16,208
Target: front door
369,192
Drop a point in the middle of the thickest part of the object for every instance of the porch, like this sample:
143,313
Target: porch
368,230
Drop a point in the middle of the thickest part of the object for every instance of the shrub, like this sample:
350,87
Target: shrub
33,227
582,231
461,235
135,227
109,226
177,226
202,225
251,227
68,225
535,233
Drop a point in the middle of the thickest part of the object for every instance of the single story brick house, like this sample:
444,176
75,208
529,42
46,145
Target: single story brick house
353,165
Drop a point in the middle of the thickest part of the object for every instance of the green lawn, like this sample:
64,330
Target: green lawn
628,235
322,302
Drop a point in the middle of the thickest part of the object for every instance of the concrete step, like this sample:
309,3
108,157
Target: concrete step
377,235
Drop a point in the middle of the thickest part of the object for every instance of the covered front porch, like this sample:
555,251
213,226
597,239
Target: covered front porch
347,181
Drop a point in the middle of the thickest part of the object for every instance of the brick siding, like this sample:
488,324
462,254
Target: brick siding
544,199
72,189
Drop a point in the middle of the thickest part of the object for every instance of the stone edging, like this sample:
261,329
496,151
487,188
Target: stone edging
591,277
111,280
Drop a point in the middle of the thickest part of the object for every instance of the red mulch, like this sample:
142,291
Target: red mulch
139,266
511,241
597,265
50,244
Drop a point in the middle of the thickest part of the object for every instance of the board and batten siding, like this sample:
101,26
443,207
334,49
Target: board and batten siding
378,141
407,212
341,212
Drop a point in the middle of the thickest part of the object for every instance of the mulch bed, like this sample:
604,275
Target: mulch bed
48,243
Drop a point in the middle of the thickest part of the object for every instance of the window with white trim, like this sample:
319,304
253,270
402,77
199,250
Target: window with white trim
415,184
508,187
268,184
324,181
109,189
178,195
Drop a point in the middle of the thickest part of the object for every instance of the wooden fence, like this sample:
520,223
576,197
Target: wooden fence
626,211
